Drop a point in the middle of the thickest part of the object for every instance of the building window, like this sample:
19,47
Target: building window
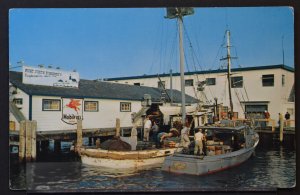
137,84
161,85
90,106
268,80
237,82
125,107
51,105
189,82
211,81
283,80
18,101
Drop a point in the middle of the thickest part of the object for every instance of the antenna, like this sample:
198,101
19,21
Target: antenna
282,38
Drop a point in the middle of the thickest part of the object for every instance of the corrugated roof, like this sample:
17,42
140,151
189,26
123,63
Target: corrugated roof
207,72
95,89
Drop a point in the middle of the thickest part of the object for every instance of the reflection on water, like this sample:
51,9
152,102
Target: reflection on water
270,168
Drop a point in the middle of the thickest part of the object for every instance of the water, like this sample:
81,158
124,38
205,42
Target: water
272,167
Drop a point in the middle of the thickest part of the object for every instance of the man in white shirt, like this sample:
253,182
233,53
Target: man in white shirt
199,137
147,127
185,140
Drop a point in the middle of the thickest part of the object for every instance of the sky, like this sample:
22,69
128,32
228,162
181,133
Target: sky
116,42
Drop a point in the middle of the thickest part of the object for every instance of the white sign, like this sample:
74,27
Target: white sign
50,77
71,110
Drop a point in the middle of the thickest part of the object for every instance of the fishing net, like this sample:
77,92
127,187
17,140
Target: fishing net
115,144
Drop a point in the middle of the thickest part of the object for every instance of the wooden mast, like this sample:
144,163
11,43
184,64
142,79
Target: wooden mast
179,13
228,58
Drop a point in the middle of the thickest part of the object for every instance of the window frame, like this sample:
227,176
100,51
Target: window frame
43,104
212,79
264,80
121,103
186,81
283,80
233,82
18,99
88,101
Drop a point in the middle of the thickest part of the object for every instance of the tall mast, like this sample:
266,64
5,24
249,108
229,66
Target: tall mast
183,110
228,58
229,72
180,12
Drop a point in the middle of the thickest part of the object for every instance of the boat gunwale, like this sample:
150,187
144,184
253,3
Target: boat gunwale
127,155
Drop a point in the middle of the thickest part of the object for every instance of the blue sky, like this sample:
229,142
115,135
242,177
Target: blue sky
114,42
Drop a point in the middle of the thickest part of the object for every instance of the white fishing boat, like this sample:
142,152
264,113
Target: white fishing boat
139,159
125,153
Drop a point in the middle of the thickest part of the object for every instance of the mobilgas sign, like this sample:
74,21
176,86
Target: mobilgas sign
71,110
50,77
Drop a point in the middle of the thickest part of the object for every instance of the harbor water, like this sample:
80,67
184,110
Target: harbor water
273,166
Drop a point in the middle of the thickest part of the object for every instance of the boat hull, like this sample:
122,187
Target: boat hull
196,165
125,159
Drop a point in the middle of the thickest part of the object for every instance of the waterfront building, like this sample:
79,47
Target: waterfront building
56,106
254,89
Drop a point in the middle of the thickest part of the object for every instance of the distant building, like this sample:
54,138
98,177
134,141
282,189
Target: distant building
254,89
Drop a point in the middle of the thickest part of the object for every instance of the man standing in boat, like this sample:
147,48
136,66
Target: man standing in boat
184,139
199,137
147,128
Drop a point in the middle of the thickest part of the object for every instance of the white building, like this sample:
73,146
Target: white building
97,103
254,89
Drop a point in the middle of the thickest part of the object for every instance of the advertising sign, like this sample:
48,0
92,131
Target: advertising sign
71,110
50,77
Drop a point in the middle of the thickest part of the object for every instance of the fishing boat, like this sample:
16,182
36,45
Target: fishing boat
126,153
235,143
219,156
139,159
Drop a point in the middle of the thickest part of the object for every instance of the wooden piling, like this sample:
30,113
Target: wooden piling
28,147
33,140
118,127
280,127
22,141
273,125
79,134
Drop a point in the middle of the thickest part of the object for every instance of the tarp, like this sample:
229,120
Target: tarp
176,110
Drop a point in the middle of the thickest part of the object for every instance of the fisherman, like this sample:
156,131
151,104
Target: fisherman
184,139
147,127
267,117
133,138
199,137
287,117
163,135
154,130
280,118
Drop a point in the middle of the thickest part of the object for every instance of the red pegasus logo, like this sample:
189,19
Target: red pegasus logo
74,104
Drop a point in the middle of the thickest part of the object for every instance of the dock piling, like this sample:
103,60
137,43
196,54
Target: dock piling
280,127
118,124
22,141
79,134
